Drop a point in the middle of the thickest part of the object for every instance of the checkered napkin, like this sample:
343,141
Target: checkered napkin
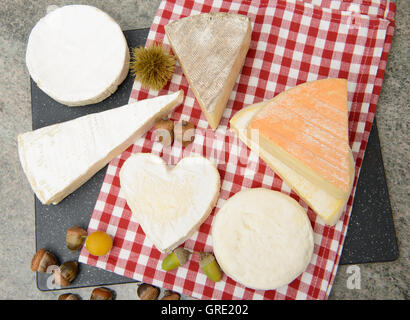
292,42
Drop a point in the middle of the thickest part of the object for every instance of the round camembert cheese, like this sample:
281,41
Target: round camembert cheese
262,238
78,55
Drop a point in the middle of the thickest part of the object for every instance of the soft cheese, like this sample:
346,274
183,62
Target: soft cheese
58,159
78,55
262,238
169,203
211,49
306,127
328,207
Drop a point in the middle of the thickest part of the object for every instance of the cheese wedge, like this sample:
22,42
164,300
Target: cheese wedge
262,238
211,49
306,127
78,55
169,203
328,205
58,159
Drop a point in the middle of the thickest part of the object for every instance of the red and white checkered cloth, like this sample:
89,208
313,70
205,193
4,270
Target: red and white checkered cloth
292,42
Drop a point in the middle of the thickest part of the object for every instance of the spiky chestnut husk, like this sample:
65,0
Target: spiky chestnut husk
152,66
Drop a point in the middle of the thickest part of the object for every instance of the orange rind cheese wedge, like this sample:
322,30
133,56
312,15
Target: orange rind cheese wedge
302,134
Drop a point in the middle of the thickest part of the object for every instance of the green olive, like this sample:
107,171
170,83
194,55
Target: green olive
210,266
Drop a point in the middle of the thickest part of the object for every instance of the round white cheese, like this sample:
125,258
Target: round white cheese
78,55
262,238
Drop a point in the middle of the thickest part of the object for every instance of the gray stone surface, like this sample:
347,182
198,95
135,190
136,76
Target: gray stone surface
378,280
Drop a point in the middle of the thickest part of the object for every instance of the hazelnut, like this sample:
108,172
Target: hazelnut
68,296
67,272
147,292
184,132
170,295
75,238
42,260
101,294
164,131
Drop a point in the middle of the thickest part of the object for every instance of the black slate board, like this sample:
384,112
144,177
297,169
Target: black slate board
370,236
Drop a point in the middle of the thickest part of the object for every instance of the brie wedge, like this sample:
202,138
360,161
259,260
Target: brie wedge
78,55
262,238
58,159
169,203
211,49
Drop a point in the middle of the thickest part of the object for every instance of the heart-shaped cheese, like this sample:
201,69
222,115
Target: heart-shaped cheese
169,203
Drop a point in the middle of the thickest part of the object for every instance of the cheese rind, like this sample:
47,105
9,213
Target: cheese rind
211,49
262,238
306,127
169,203
328,207
78,55
59,158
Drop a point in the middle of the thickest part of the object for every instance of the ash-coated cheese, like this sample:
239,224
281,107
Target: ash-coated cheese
59,158
262,238
169,203
211,49
78,55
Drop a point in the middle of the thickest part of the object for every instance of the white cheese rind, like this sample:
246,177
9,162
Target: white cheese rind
78,55
58,159
169,204
211,49
262,238
325,204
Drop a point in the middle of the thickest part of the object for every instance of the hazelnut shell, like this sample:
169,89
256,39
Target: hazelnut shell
169,295
75,238
42,260
184,132
164,131
101,294
68,296
147,292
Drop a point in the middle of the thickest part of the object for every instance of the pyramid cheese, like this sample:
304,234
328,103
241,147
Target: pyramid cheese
306,128
59,158
211,49
328,207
